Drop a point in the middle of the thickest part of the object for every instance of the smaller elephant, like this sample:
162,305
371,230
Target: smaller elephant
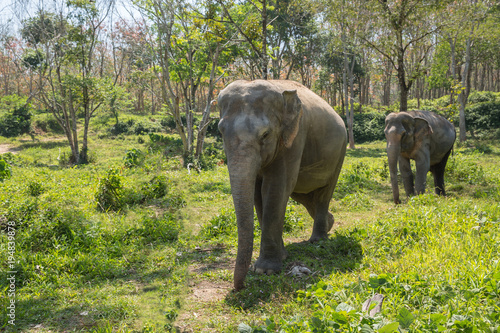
422,136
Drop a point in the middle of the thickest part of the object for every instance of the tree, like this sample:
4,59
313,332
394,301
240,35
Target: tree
470,14
250,19
187,47
403,37
69,85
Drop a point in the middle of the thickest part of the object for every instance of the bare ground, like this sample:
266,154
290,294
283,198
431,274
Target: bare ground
7,148
205,294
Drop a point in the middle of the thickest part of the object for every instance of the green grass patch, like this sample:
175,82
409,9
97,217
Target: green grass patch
133,242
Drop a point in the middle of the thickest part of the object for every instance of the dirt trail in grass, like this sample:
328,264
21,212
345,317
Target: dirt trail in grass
204,296
7,148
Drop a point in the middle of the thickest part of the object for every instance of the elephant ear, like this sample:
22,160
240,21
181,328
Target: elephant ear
292,112
422,128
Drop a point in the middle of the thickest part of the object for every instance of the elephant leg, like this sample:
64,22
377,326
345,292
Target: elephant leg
272,204
423,166
438,173
406,176
316,204
258,200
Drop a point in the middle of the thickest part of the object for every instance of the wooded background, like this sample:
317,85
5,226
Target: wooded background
78,58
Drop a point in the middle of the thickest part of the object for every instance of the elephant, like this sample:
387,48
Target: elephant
281,140
422,136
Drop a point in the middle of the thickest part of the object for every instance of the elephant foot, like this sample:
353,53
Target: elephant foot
267,266
316,238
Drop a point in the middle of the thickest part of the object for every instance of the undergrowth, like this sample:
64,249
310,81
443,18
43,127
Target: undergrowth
123,244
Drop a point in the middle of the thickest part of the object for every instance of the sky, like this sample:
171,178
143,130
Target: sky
12,12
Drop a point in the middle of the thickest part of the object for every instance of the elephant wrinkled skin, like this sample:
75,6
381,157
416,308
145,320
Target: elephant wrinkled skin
281,140
422,136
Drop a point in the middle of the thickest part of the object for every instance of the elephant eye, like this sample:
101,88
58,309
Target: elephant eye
265,135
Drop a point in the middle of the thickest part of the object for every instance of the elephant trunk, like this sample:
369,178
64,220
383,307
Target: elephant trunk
393,151
242,179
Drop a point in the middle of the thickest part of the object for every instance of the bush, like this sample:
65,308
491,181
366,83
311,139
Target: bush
368,127
465,168
146,126
109,195
47,123
155,188
16,116
481,97
223,224
483,116
5,170
35,188
123,127
133,157
164,229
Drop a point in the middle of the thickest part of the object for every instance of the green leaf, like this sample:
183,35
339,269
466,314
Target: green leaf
437,318
405,318
389,328
344,307
366,329
244,328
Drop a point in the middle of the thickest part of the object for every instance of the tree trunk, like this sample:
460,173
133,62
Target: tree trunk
464,94
264,39
351,113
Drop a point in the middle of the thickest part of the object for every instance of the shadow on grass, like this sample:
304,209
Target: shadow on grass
44,144
43,313
341,253
366,152
51,312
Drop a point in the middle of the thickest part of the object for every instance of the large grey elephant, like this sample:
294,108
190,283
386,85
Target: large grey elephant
422,136
281,140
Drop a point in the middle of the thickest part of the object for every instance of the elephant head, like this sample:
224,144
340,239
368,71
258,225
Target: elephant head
257,121
405,134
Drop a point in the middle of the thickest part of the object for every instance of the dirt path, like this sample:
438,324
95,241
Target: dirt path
7,148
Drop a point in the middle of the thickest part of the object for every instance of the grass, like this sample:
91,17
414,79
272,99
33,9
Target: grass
161,260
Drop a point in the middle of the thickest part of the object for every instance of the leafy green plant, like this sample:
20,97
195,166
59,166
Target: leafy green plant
16,116
165,229
35,188
222,224
109,194
5,170
133,157
293,221
155,188
465,168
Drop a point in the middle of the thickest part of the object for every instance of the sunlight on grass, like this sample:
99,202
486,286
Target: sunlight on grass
140,265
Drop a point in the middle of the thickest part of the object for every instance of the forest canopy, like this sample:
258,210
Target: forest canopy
75,59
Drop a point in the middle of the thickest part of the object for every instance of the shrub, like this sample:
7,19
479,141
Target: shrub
146,126
5,170
47,123
109,195
212,155
133,157
368,127
481,97
164,229
483,116
292,219
223,224
465,168
35,188
155,188
16,117
122,127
